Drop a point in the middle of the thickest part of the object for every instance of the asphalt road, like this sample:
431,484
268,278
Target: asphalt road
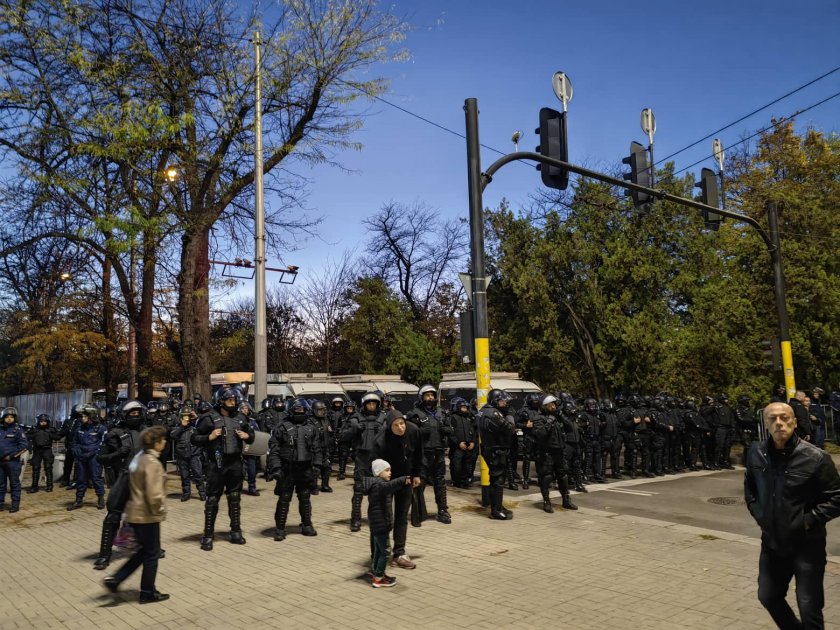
689,500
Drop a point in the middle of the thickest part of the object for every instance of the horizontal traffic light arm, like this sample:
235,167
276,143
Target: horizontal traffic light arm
487,177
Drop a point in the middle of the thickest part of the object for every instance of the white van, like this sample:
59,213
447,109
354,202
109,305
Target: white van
463,384
403,395
312,386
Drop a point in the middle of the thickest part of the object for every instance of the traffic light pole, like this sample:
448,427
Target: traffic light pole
479,282
781,301
771,239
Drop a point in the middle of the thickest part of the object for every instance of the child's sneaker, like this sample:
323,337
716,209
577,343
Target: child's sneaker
382,582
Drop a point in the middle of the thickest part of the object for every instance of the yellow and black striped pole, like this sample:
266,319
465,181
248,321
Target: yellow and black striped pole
781,301
479,282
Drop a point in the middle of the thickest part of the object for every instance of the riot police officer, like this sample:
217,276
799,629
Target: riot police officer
550,451
695,430
41,439
496,429
294,452
325,439
360,431
661,441
344,443
611,439
435,431
222,432
334,415
68,432
590,428
708,413
573,442
525,419
726,425
462,443
747,423
188,456
118,448
86,444
13,444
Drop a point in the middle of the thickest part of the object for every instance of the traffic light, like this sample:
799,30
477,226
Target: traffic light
710,195
554,144
772,354
639,174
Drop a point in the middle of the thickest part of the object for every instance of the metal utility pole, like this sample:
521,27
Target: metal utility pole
781,303
131,387
717,151
648,121
260,343
479,282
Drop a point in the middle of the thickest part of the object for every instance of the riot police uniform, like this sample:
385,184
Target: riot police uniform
294,452
435,432
41,439
118,448
344,442
13,444
86,443
573,443
525,425
710,417
550,453
321,421
611,439
463,443
68,432
590,429
495,429
218,433
747,423
725,430
360,431
661,441
188,457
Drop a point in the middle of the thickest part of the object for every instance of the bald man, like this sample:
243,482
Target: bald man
792,490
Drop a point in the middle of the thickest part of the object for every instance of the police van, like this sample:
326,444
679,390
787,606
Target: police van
403,395
462,384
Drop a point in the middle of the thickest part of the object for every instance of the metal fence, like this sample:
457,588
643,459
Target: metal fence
57,404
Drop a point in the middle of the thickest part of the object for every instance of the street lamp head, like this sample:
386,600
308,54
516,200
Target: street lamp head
172,173
65,275
516,136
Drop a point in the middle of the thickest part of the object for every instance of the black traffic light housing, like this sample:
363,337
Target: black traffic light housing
553,144
771,349
639,174
710,195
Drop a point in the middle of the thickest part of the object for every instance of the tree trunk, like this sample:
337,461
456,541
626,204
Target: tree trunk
145,363
108,358
194,311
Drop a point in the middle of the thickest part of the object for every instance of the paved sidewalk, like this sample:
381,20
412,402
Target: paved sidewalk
585,569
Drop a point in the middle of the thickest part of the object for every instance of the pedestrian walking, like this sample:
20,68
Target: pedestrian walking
145,511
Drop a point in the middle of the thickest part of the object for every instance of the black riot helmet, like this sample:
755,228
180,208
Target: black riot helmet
299,409
10,412
744,400
278,404
43,418
203,407
319,409
569,408
265,404
132,414
228,398
634,400
620,400
607,405
349,406
723,398
708,400
533,400
690,404
459,405
498,398
152,407
163,406
591,405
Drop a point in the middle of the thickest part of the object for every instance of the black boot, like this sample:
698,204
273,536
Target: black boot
36,477
100,502
186,489
306,528
563,484
109,530
75,506
443,515
526,472
281,513
547,507
567,503
235,512
496,511
356,512
211,509
49,475
325,479
511,475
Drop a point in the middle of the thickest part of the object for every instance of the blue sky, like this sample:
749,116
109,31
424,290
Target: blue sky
699,66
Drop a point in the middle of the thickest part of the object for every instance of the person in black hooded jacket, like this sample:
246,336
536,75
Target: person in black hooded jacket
401,446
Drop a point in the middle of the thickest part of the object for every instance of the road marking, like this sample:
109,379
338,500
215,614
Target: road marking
625,491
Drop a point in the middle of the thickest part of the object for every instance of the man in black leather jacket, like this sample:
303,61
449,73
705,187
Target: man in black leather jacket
792,489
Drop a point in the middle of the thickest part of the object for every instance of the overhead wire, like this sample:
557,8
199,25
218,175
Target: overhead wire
752,113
